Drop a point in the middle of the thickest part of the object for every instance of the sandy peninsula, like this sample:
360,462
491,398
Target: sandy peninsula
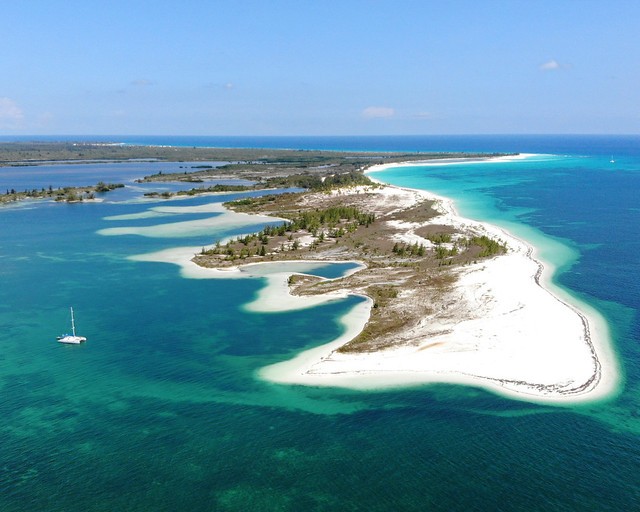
437,308
445,298
501,327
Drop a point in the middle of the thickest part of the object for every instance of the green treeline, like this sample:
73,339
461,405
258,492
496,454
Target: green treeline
337,220
488,246
330,217
216,188
443,252
315,182
440,238
69,194
414,249
101,186
305,181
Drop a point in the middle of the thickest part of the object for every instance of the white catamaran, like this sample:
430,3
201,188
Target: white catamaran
71,338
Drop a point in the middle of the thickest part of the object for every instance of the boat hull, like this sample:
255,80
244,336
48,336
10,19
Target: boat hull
73,340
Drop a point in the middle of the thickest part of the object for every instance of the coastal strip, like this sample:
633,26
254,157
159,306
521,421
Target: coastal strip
506,328
495,322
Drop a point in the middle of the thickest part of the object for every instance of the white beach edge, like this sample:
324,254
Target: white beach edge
533,341
536,343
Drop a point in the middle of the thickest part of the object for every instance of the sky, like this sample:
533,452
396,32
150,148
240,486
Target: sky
346,67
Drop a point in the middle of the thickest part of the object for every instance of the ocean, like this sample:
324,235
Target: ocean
162,410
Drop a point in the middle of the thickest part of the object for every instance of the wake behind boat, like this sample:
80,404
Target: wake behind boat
71,338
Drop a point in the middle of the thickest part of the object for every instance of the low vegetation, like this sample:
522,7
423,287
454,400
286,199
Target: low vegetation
67,194
331,211
30,153
321,224
310,182
343,228
488,246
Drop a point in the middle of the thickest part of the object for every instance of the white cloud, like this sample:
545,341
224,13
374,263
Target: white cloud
11,115
378,112
550,65
424,115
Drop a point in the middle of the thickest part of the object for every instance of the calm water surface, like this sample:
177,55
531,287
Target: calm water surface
161,409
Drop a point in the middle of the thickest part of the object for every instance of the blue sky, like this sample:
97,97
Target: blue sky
319,68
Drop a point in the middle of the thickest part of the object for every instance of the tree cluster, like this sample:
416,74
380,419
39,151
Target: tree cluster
414,249
488,246
319,183
439,238
332,222
330,217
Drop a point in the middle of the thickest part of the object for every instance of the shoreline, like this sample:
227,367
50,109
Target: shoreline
504,351
374,371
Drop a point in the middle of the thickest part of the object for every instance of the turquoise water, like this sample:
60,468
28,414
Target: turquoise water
161,409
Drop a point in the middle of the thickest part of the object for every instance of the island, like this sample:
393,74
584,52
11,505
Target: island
445,299
448,299
66,194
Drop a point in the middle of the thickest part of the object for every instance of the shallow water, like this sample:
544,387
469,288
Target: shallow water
161,408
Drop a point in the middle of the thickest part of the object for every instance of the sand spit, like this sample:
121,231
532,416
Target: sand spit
504,327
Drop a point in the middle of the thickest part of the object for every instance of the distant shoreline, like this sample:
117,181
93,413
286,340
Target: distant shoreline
48,153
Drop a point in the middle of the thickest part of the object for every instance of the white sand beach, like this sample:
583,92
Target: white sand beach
509,330
505,327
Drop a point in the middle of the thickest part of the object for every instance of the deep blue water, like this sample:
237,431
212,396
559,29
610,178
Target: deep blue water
161,408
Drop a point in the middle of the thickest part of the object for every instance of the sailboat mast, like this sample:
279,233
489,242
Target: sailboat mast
73,325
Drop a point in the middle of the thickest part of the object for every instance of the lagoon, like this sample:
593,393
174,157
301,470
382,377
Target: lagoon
162,408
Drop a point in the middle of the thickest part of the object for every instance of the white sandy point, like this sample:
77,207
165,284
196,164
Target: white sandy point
519,335
275,296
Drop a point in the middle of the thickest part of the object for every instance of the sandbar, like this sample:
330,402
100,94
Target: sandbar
503,325
508,329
